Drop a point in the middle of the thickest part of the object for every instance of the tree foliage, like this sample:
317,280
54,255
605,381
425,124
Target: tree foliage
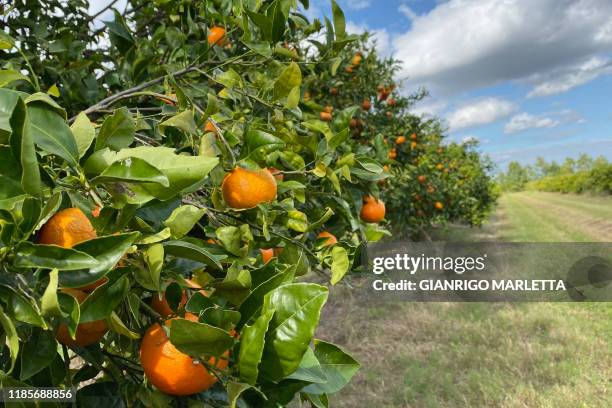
137,122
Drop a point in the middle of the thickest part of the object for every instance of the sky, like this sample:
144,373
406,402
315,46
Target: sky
526,78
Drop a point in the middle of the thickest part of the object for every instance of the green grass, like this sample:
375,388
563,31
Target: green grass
484,354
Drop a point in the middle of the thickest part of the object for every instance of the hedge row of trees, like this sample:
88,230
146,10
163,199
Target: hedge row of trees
582,175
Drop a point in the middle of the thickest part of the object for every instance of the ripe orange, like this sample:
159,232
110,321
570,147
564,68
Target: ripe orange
393,153
349,69
422,178
216,36
333,91
431,189
96,211
244,188
366,105
66,228
391,102
170,370
306,96
162,307
386,168
269,253
413,145
438,205
86,333
331,238
356,59
325,116
373,210
413,136
209,127
400,140
328,109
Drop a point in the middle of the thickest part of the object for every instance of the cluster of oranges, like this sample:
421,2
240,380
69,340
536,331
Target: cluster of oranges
355,62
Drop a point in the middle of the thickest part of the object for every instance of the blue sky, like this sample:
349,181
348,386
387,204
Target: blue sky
527,78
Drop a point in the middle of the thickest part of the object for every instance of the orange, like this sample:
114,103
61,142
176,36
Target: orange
96,212
162,307
269,253
366,104
244,188
391,102
393,153
216,36
356,59
328,109
66,228
209,127
413,145
438,205
172,371
331,238
86,333
431,189
349,69
325,116
306,96
439,166
413,136
333,91
373,210
400,140
389,114
422,179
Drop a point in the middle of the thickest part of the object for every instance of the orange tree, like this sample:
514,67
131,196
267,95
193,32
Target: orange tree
434,181
168,191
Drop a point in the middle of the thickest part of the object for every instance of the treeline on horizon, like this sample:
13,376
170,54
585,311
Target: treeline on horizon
585,174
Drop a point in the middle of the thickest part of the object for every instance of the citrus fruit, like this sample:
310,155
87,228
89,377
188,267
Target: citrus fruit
373,210
86,333
325,116
170,370
162,306
400,140
216,35
331,238
366,104
244,188
66,228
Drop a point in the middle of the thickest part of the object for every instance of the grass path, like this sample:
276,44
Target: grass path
485,354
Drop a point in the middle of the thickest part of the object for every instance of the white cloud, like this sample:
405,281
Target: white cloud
525,121
359,4
429,107
480,112
465,44
407,11
381,36
572,77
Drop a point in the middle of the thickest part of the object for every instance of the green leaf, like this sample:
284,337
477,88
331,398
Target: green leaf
182,171
198,302
30,212
115,324
235,286
297,309
6,41
263,141
252,340
50,208
278,19
49,304
235,239
199,339
12,339
297,221
309,370
51,133
183,121
338,366
41,351
290,78
107,251
230,79
22,143
30,255
339,20
117,131
234,390
183,219
339,264
154,258
103,301
132,170
84,132
41,98
188,250
21,308
8,76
